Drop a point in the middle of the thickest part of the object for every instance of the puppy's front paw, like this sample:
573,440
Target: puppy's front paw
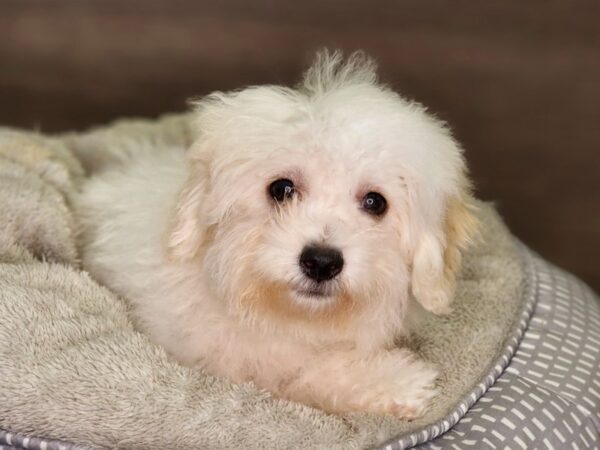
412,405
392,382
404,389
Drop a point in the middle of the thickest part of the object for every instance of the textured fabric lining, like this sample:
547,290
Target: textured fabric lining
69,349
563,417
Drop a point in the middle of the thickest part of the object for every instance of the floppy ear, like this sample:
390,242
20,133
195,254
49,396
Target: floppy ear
187,229
438,254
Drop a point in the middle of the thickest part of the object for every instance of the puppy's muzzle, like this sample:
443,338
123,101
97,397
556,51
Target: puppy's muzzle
321,263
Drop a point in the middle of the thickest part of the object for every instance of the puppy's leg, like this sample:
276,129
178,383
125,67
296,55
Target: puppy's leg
390,382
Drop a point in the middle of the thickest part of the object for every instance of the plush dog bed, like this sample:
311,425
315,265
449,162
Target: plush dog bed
518,356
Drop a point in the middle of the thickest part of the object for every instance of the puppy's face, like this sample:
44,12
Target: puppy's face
308,229
320,204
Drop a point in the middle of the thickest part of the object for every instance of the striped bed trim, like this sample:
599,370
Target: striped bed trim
565,410
512,343
17,441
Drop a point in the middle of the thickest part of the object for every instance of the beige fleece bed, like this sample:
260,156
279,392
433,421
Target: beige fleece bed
73,369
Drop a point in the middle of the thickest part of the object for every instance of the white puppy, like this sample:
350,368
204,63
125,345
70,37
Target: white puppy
284,247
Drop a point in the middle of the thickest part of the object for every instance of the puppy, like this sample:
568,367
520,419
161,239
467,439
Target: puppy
284,246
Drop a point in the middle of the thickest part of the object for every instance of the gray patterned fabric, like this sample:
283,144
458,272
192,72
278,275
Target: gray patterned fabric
547,397
10,441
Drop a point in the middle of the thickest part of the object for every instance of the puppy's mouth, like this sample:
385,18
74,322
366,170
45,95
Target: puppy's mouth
315,291
312,293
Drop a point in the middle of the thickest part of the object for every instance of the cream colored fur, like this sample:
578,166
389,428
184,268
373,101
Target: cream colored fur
209,264
73,368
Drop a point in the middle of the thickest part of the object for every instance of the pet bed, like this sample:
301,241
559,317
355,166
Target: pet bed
518,356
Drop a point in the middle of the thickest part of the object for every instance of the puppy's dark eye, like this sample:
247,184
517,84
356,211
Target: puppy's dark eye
374,203
281,189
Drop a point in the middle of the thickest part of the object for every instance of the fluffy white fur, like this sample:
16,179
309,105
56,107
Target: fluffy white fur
209,262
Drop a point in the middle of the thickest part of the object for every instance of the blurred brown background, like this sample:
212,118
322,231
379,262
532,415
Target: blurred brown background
518,81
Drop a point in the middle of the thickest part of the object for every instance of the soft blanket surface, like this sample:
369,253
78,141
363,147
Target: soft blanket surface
73,368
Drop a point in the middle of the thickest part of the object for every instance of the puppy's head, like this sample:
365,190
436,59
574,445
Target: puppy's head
324,201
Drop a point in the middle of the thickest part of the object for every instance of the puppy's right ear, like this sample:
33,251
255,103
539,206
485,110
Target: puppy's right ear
187,229
189,223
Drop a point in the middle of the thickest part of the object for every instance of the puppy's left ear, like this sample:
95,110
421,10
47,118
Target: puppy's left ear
438,255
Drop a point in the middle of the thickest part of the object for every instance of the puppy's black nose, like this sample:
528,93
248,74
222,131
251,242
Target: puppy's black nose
321,263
